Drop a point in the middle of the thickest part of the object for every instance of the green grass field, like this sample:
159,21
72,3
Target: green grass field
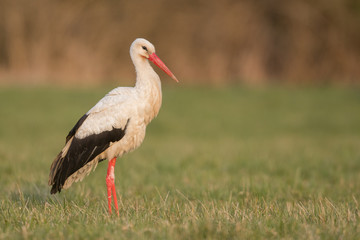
227,163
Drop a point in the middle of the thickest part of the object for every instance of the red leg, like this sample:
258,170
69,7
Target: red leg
110,184
115,199
109,195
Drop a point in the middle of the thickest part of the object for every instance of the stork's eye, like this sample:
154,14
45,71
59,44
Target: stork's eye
143,47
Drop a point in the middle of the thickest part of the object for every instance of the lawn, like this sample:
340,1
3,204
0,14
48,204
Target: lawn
226,163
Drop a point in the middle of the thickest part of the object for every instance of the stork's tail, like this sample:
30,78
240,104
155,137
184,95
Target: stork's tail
69,167
54,178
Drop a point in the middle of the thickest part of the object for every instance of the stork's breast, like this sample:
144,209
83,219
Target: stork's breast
152,107
134,136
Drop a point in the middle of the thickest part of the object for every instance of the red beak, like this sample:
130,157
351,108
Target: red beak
157,61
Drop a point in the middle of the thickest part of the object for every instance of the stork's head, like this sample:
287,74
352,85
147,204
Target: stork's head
144,49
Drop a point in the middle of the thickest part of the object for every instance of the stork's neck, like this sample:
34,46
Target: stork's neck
146,77
148,87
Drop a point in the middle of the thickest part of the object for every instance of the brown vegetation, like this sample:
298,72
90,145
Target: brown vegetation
217,41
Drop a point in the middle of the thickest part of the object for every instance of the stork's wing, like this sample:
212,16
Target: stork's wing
76,127
92,134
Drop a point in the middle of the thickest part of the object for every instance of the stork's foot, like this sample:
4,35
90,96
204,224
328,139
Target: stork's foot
110,183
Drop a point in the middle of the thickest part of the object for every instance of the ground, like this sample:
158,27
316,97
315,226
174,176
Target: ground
217,163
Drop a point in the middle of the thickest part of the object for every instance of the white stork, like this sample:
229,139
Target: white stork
113,127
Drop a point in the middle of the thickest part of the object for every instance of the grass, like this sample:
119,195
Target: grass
227,163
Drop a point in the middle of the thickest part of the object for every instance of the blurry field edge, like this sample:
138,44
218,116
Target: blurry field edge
246,162
90,40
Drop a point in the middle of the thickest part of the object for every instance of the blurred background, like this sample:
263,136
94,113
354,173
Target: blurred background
202,41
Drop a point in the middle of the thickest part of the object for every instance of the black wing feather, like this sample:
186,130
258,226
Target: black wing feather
76,127
80,152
